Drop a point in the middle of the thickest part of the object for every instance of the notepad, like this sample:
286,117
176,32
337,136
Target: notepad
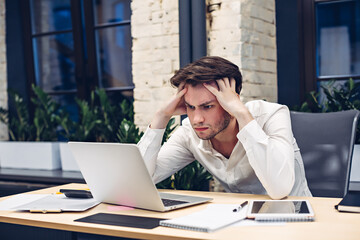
214,217
350,203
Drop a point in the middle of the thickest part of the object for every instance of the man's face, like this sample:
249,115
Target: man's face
206,115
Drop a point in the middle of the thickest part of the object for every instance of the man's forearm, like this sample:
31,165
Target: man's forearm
160,120
243,117
149,146
271,155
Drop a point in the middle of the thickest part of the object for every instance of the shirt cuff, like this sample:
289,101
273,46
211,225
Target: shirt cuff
153,137
251,134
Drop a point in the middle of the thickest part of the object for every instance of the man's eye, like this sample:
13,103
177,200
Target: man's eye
208,106
190,107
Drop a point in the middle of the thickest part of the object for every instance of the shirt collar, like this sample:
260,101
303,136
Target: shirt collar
205,145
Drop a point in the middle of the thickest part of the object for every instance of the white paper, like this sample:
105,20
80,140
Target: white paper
47,202
17,200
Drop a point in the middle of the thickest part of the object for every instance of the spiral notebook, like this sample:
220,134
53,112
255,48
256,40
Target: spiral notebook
214,217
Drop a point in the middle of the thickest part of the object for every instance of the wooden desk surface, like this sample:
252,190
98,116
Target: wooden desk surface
329,223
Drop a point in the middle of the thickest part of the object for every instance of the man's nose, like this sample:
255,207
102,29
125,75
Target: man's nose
198,117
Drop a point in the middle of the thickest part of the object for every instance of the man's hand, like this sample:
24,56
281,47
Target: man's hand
176,106
230,100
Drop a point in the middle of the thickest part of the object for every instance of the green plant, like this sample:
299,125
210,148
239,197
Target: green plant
337,98
83,130
100,120
43,125
128,132
46,117
170,127
311,103
344,98
19,126
192,177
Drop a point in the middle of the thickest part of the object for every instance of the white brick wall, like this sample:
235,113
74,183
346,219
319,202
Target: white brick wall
3,72
243,31
155,32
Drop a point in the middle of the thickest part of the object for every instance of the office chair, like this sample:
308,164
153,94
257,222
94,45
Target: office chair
326,142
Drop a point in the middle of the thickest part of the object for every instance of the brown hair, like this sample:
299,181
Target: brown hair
207,69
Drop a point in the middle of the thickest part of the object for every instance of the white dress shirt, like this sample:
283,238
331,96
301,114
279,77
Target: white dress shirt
265,160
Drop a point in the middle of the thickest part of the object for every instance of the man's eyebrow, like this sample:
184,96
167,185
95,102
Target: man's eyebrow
206,103
201,105
186,103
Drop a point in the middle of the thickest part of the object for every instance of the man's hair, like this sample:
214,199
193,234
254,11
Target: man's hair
207,69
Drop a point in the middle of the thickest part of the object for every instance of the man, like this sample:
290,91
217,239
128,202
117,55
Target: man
248,147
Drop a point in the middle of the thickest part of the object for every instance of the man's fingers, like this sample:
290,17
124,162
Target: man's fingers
181,86
181,92
211,88
221,84
226,81
233,84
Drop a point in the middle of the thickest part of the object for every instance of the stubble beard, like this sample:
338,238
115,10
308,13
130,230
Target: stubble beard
218,127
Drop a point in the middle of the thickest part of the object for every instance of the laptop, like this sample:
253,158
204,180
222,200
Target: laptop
116,173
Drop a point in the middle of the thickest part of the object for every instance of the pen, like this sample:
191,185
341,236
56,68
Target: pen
240,207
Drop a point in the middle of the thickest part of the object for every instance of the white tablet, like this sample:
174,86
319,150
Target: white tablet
280,210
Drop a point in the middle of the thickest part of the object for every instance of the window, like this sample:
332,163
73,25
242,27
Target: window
112,32
331,42
74,46
337,41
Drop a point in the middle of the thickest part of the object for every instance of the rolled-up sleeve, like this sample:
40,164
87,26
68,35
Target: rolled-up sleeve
270,152
163,161
149,146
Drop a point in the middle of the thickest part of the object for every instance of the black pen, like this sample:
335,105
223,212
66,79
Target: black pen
240,207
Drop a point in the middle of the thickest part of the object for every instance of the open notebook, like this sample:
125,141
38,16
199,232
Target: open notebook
212,218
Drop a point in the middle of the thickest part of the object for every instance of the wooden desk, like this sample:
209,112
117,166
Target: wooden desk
329,223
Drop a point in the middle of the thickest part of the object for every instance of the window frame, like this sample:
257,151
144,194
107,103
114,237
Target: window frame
85,56
308,47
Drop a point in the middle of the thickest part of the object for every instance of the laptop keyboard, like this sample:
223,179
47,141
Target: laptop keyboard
170,202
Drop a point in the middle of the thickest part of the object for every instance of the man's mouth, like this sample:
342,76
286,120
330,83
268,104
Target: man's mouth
200,129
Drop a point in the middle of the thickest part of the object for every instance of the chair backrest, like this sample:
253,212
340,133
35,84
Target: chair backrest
326,142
